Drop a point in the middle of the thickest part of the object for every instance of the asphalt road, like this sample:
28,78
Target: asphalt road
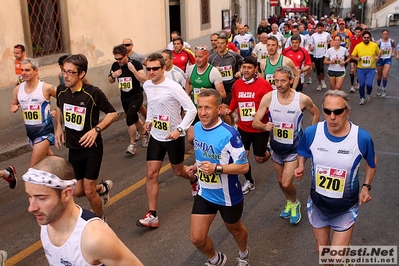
273,241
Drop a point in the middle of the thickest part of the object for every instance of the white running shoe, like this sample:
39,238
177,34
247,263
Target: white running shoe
137,135
248,186
319,88
368,98
361,101
384,92
323,85
131,149
148,220
108,185
379,91
352,89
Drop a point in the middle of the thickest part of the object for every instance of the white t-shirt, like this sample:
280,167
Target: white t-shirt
320,43
338,56
260,51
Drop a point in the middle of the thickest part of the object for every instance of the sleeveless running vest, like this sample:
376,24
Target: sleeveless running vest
269,70
199,81
35,111
386,49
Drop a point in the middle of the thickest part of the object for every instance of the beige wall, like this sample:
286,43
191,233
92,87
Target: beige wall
94,27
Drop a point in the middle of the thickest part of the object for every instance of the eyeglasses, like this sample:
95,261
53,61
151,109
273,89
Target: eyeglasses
127,44
69,72
366,38
336,111
118,59
201,48
153,68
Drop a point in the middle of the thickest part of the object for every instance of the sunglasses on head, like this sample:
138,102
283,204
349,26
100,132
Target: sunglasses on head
201,48
336,111
153,68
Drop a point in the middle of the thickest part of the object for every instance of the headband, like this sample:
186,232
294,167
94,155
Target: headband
39,177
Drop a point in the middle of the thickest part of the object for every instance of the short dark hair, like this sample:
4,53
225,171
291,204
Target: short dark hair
211,92
178,38
20,46
168,52
320,24
358,28
61,59
156,57
366,32
296,37
120,49
79,60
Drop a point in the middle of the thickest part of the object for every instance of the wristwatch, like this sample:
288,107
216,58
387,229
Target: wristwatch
98,129
218,169
368,186
180,129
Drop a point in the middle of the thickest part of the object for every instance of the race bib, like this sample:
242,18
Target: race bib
20,79
161,123
226,72
386,51
32,114
330,182
283,132
321,45
247,110
263,56
270,79
74,116
366,61
244,46
125,84
211,179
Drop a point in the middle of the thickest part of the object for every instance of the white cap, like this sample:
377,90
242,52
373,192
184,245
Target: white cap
286,19
325,16
315,17
335,20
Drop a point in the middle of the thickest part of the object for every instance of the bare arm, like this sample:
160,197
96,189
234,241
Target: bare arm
307,104
189,87
14,105
88,139
364,195
264,104
59,133
288,62
101,245
300,170
220,88
49,91
140,75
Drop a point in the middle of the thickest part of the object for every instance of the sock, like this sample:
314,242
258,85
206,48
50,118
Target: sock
352,78
243,255
248,175
154,213
384,83
378,82
6,174
214,259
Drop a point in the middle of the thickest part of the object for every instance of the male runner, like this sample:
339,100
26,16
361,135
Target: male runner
320,42
69,234
220,158
19,54
129,73
285,113
246,96
78,108
33,97
165,100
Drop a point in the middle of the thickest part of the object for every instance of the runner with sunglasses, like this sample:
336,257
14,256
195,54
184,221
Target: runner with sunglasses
336,147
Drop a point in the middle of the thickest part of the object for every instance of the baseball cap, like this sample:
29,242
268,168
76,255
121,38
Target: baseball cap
335,20
342,22
286,19
250,60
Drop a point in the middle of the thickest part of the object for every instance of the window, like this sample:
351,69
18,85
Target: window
45,27
205,14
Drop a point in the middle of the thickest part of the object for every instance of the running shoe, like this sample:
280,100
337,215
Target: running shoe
361,101
357,86
243,262
108,185
137,135
131,149
379,91
295,216
368,98
323,85
222,260
12,178
248,186
352,89
383,92
194,188
309,81
148,220
3,257
319,88
286,213
146,139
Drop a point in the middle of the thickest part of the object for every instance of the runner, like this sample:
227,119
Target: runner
388,50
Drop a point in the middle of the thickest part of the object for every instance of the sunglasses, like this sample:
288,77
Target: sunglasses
126,44
336,111
201,48
153,68
366,38
118,59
